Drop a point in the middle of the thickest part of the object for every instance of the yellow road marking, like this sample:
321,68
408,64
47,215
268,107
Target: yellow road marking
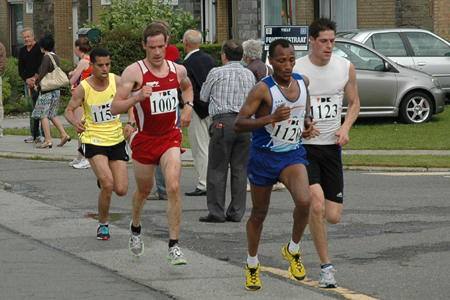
346,293
411,174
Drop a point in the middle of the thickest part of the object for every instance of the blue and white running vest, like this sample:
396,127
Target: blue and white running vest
285,135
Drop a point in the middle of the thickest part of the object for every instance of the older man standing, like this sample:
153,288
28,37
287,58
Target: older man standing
198,65
226,89
2,69
30,59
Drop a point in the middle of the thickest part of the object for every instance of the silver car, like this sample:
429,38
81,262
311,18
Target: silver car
416,48
387,89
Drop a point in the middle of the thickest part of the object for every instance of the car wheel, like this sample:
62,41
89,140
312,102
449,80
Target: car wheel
416,108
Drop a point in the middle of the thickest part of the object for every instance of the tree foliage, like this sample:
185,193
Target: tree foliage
122,23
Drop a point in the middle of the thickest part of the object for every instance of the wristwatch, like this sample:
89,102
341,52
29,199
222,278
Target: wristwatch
309,115
132,124
191,104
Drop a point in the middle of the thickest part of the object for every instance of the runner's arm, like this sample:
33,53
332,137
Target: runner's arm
131,78
255,99
74,103
351,91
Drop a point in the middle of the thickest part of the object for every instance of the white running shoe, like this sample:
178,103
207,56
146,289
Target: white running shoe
175,256
278,187
326,278
75,161
83,164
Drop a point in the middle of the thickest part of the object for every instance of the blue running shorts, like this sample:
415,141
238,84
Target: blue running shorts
264,166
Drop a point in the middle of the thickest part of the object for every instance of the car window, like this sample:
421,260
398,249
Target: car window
361,58
389,43
347,35
425,44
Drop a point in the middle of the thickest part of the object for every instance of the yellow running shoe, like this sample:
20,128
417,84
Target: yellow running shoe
252,282
296,268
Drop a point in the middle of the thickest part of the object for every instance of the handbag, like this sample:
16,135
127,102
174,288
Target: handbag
55,79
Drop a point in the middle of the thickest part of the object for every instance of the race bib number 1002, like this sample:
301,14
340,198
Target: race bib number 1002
101,113
164,101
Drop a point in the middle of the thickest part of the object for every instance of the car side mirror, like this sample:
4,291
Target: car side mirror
387,66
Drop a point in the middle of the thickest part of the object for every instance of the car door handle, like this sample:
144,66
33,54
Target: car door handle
422,64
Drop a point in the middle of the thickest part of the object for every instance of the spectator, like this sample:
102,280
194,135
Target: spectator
82,48
198,65
30,59
226,89
2,69
48,103
252,57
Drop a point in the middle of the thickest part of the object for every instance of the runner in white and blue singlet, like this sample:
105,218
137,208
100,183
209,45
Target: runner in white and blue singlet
275,112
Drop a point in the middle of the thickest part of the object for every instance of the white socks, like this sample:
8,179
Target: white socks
293,247
252,261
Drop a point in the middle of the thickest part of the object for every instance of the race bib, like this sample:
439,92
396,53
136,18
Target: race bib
164,101
324,108
101,113
289,131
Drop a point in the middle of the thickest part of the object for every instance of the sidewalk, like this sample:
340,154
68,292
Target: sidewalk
14,145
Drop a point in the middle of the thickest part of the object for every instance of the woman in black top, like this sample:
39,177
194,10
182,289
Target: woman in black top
48,102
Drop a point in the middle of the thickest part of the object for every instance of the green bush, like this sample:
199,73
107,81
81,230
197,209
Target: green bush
16,85
6,88
122,23
13,87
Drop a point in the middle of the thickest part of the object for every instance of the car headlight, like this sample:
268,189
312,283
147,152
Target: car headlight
436,82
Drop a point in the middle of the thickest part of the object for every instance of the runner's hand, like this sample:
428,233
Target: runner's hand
282,113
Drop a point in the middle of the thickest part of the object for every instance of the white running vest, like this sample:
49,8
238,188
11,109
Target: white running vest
326,89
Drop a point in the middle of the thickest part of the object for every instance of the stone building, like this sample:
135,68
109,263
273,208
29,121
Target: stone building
243,19
222,19
60,18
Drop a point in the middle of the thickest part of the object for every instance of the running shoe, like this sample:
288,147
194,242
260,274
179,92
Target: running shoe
175,256
156,196
252,281
135,244
326,278
103,233
296,268
83,164
75,161
30,139
278,187
1,134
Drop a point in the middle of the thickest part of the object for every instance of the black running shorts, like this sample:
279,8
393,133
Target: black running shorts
325,168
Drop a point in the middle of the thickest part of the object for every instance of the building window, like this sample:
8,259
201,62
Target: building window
106,2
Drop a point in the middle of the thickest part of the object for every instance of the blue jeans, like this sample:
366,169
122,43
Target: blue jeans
159,181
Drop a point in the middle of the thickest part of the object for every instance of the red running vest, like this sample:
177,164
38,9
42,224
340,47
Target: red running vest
158,114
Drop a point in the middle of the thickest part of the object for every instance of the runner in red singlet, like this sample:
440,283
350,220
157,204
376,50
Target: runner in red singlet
153,85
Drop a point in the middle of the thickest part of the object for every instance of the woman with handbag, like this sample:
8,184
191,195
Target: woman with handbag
49,95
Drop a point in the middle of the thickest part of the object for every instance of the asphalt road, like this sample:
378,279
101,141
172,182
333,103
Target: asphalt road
393,241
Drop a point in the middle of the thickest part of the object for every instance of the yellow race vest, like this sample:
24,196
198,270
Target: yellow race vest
102,128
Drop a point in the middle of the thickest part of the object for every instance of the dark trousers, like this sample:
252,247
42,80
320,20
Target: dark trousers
226,148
